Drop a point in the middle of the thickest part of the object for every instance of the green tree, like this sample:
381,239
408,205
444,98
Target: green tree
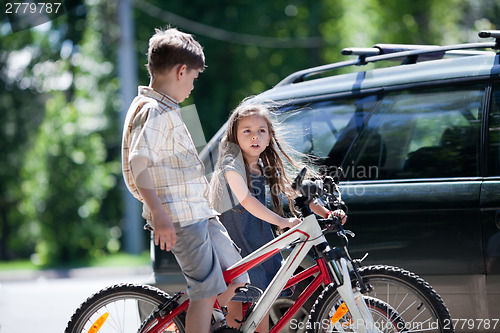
22,58
66,181
73,164
250,46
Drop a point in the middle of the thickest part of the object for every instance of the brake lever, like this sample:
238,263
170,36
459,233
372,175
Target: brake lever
350,233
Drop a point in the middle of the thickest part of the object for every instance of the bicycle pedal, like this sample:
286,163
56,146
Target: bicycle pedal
224,310
218,319
250,289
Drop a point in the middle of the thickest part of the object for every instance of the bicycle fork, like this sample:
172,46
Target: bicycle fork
362,319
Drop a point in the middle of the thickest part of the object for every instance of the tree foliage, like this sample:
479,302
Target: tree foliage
22,57
69,162
59,132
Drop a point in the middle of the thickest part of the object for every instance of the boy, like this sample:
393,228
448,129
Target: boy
162,169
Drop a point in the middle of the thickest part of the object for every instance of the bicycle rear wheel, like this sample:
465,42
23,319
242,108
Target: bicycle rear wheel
121,308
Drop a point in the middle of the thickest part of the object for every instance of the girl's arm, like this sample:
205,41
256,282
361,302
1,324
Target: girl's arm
319,209
252,205
325,213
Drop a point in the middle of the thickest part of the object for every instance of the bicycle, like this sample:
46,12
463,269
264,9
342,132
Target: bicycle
356,299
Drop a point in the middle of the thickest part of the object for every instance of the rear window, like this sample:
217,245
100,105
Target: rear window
420,134
494,133
405,134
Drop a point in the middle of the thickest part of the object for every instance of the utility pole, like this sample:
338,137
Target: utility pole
127,71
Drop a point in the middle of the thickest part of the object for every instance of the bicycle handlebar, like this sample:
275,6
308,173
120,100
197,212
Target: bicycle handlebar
333,225
313,189
297,182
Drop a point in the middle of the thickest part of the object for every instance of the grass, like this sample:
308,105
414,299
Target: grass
122,259
112,260
17,265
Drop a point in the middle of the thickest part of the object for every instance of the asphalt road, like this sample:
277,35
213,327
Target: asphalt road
44,302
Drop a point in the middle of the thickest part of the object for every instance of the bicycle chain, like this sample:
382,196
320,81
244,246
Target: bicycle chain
226,330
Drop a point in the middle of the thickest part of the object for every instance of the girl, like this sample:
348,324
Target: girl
250,156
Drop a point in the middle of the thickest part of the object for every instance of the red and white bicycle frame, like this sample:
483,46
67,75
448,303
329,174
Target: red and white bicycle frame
303,237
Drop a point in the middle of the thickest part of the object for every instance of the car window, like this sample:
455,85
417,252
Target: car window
420,134
325,129
494,133
209,159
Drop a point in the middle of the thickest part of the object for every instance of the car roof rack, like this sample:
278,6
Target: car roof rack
380,49
409,54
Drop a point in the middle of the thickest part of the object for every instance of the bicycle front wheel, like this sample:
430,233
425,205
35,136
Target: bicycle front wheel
420,306
121,309
410,303
330,314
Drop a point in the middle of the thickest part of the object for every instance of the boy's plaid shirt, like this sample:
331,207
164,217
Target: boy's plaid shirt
154,129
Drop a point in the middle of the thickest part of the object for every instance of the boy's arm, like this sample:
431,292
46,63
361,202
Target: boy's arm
164,232
252,205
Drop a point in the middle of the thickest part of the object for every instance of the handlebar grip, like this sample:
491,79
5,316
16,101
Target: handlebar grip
334,224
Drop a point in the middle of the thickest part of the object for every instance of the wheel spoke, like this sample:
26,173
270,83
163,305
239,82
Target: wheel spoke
126,306
398,300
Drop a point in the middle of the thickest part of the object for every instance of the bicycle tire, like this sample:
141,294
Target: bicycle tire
127,305
419,306
386,319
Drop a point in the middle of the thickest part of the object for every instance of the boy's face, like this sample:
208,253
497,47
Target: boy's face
186,83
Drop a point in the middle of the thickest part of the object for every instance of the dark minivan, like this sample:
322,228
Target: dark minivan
419,146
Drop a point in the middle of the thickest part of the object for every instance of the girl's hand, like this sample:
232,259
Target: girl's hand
338,214
289,222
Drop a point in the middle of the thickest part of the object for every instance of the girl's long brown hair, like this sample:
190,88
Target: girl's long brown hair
272,158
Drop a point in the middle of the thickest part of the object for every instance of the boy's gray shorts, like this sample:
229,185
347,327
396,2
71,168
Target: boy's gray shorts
204,250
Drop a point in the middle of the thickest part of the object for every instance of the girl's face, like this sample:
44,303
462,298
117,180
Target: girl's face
253,136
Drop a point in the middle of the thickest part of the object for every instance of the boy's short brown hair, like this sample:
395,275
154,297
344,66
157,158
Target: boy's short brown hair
171,47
